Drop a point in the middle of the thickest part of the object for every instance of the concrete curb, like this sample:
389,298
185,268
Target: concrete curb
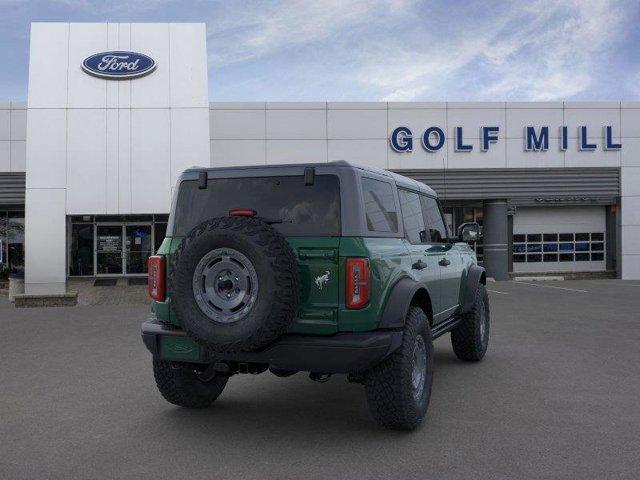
68,299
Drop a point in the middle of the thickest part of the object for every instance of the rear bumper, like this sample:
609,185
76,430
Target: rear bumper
339,353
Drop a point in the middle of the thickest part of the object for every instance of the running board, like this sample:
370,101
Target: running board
444,327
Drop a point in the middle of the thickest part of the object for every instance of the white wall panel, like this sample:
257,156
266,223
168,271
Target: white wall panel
495,157
518,118
418,120
418,158
86,91
227,153
18,124
472,119
5,124
296,105
296,151
357,124
296,124
238,124
18,156
124,161
631,239
113,43
598,158
630,211
594,119
152,91
124,86
630,119
111,161
189,140
517,157
150,160
365,152
47,148
45,241
420,105
48,62
86,161
188,54
5,156
631,264
630,181
630,153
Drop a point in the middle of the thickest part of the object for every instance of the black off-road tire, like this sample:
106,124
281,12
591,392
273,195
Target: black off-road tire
179,384
388,386
277,273
469,340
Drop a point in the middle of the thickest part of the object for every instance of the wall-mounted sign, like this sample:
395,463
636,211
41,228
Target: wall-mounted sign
118,65
535,139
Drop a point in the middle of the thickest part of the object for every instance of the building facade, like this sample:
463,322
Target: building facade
92,161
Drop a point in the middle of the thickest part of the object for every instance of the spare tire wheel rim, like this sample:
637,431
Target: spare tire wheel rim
225,285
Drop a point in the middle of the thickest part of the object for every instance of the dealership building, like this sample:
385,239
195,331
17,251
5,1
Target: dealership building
116,111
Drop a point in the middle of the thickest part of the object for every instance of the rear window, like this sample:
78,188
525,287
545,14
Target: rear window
306,211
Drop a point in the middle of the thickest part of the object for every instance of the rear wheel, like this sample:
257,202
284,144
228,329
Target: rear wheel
470,339
399,388
179,383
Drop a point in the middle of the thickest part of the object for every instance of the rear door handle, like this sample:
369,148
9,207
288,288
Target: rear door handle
419,265
444,262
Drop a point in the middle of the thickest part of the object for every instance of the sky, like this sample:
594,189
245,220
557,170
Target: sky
377,50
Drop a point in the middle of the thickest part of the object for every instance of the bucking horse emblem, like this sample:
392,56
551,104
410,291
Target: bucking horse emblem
322,280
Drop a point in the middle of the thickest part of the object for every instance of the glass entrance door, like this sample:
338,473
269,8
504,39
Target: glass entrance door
138,248
109,250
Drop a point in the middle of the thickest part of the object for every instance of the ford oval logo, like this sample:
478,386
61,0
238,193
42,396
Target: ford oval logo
118,65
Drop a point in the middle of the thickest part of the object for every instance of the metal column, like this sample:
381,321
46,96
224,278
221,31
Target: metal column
496,239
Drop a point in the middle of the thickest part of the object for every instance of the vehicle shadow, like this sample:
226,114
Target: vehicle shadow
265,406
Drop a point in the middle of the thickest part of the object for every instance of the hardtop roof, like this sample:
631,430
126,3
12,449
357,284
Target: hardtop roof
399,180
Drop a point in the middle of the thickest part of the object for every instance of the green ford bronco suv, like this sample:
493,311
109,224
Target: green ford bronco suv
322,268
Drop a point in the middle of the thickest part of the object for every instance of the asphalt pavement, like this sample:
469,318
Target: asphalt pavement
557,396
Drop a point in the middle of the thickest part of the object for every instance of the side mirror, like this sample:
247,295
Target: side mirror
469,232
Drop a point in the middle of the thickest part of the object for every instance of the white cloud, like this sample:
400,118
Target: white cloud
546,51
242,34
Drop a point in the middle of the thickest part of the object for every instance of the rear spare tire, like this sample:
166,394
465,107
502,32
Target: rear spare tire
234,284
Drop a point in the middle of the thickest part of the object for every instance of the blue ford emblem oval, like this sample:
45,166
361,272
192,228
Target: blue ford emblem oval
118,65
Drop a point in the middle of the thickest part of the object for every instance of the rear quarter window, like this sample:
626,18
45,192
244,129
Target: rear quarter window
305,210
379,206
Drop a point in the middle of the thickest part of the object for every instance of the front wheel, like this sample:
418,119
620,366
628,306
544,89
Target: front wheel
399,388
470,338
180,384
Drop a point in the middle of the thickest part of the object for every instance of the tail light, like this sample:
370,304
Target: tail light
242,212
156,270
358,283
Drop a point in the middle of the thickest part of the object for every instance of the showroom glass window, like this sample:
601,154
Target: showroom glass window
12,239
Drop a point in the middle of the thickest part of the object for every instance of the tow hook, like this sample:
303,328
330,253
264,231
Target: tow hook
319,377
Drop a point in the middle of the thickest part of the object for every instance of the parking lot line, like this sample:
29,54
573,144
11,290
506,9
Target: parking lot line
551,286
496,291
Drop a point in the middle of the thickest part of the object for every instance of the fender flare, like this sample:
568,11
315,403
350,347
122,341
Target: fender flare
475,277
398,302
